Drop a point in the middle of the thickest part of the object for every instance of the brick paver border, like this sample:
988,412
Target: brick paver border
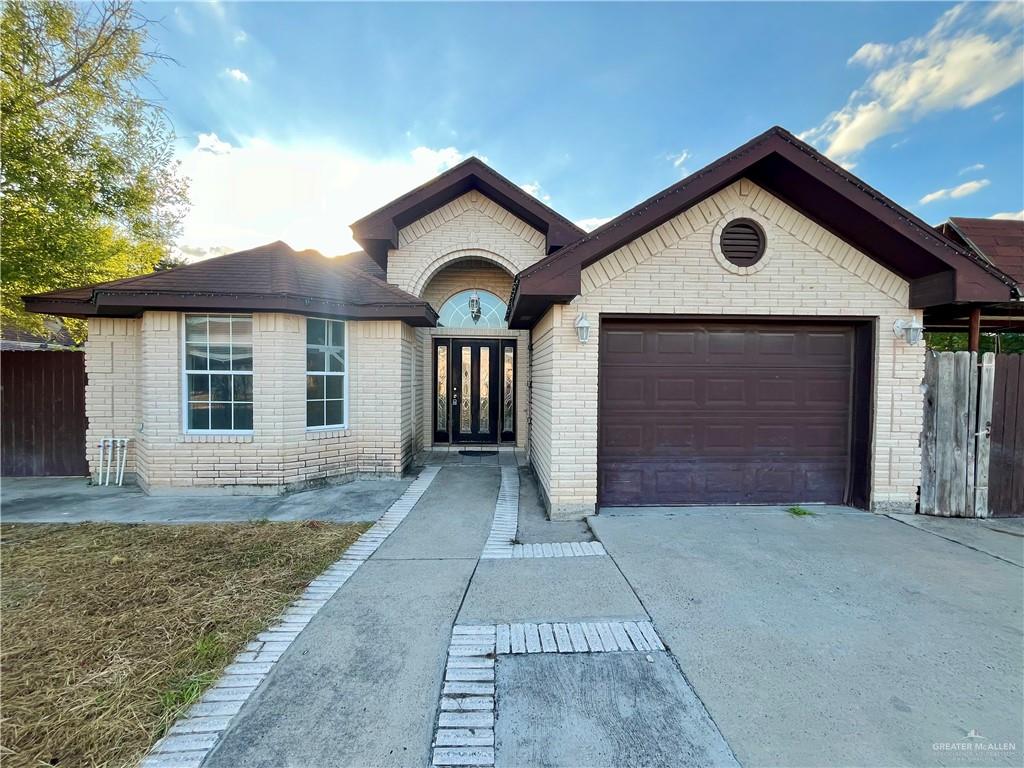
501,540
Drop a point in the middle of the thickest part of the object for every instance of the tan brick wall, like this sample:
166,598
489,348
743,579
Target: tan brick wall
281,451
675,270
470,273
471,226
542,385
112,355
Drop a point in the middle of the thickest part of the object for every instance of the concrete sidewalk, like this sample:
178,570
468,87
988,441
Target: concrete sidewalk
359,686
73,500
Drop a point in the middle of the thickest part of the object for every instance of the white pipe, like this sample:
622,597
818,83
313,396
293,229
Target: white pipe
110,459
99,473
124,461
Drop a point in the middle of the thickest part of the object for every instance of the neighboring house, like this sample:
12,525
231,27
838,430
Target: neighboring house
16,339
1000,242
739,342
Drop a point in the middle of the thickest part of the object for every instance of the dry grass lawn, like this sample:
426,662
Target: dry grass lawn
110,631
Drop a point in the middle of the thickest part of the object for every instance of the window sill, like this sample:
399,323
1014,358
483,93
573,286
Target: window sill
324,433
217,437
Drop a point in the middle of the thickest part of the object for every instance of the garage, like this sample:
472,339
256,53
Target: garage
733,412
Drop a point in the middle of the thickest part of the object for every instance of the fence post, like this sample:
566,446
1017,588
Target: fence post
986,382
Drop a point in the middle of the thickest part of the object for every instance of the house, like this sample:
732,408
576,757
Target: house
744,336
1000,242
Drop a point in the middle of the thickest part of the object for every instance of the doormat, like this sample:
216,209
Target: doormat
478,453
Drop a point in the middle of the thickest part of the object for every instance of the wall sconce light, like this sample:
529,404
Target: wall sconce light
912,330
583,328
474,306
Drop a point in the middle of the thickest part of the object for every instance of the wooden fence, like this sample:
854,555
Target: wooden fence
42,399
1006,463
973,438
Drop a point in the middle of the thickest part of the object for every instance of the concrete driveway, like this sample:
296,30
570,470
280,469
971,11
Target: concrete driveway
845,638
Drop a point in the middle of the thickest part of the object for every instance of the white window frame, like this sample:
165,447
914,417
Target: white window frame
185,371
344,375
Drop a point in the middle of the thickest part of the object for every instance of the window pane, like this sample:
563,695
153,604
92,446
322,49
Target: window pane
485,390
220,387
242,386
315,360
241,358
315,413
198,415
316,331
465,410
315,387
198,386
220,330
337,334
335,386
335,412
196,357
241,330
243,415
507,379
220,415
336,362
442,389
220,358
455,312
195,328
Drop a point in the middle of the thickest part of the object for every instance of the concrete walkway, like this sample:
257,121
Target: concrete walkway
359,686
73,500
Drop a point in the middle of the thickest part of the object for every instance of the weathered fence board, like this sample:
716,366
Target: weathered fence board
1006,465
42,398
986,381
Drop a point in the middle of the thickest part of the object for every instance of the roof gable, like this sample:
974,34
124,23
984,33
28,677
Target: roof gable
269,278
378,232
938,270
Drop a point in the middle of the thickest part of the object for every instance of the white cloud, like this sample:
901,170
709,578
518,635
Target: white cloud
963,190
1018,216
209,142
215,7
972,169
236,74
970,55
240,37
589,225
255,191
679,161
535,189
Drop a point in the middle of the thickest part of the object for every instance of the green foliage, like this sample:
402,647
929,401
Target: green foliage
952,341
90,186
801,512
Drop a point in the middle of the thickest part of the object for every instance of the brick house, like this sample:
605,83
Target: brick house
741,337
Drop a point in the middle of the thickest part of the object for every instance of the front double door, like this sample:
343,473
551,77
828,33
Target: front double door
470,390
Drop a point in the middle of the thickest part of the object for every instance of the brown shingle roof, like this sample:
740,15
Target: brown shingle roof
361,260
1001,241
269,278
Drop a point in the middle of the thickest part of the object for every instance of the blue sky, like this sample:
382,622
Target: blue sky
297,118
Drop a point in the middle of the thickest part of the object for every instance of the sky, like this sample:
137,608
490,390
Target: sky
296,119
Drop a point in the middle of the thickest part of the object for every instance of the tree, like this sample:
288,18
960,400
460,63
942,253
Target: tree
90,186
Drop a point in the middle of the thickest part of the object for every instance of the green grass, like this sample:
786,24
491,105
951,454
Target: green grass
801,512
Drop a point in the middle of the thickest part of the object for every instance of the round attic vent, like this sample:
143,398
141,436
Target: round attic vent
742,242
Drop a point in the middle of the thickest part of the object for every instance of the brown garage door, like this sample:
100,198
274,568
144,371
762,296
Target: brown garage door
724,413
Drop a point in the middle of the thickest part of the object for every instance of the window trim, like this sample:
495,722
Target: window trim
344,376
185,372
